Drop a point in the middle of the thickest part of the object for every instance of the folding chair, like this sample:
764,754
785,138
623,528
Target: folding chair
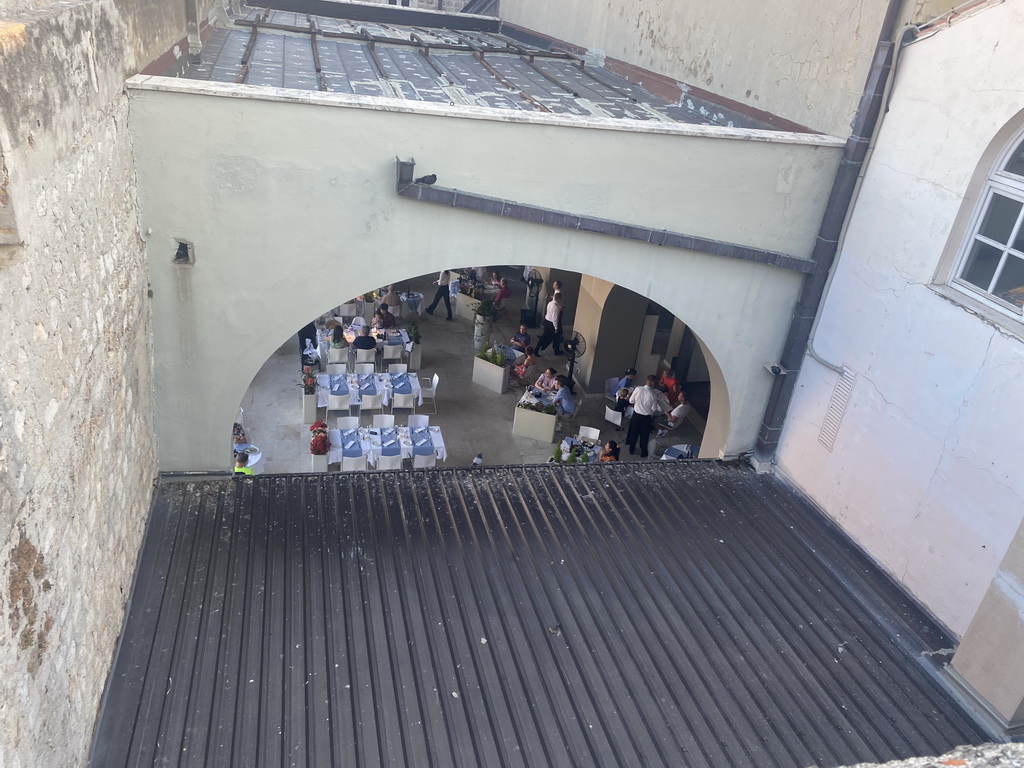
415,422
348,422
353,463
422,462
390,462
430,393
383,420
398,368
405,402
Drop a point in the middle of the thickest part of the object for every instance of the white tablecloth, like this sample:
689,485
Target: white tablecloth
370,444
382,382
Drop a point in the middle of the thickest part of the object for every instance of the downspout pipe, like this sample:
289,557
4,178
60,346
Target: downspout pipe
827,242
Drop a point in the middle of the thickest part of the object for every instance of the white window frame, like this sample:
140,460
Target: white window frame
1007,185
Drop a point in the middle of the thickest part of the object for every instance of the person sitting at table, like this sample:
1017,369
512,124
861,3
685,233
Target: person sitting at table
364,340
610,452
391,298
242,464
669,384
376,322
626,382
565,403
675,418
503,293
338,336
524,371
520,340
387,320
496,278
546,381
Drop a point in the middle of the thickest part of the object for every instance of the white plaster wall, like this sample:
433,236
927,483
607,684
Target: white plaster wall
926,470
291,207
803,60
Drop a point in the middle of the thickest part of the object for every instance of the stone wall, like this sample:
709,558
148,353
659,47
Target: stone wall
76,404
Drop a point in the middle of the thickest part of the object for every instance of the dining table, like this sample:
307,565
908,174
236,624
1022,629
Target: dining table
355,385
374,442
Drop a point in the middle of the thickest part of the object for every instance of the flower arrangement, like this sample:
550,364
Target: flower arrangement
319,443
308,381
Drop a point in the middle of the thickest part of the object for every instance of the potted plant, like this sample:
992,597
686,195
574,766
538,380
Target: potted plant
319,445
536,421
483,321
309,386
490,371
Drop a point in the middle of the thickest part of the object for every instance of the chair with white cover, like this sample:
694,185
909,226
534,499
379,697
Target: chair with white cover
337,368
415,422
381,420
404,402
338,403
366,356
430,392
353,463
390,462
370,403
348,422
357,321
337,355
589,433
398,368
364,368
615,417
422,462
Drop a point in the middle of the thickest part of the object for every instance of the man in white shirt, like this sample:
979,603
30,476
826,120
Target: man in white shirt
552,335
648,401
442,293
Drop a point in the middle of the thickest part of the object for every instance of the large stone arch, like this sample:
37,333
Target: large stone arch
286,223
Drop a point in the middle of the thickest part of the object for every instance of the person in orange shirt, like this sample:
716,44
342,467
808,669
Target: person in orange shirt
670,384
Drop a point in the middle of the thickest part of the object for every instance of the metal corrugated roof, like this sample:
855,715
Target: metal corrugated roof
684,614
429,64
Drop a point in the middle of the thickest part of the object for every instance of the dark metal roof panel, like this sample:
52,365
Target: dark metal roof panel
640,614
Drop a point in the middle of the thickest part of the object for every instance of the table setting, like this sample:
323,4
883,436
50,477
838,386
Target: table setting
420,441
351,443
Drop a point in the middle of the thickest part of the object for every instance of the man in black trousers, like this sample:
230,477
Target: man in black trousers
647,401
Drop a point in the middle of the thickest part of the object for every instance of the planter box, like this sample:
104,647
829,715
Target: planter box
490,376
465,307
534,425
308,409
319,463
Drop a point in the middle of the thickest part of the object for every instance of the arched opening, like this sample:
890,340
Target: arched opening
620,330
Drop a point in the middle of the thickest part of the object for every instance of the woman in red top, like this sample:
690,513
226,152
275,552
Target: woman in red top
503,293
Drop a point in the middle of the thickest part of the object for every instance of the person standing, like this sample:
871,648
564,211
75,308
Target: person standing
552,335
442,292
647,401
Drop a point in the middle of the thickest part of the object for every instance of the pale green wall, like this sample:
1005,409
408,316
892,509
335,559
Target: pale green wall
292,209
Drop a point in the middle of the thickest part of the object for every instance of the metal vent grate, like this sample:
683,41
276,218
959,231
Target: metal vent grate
836,408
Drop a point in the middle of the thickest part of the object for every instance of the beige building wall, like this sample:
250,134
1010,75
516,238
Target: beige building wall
802,60
77,444
284,229
925,472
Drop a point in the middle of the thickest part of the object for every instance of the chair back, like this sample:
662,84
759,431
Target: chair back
336,355
589,433
348,422
337,402
353,463
398,368
615,417
392,352
433,385
366,356
358,321
403,401
389,462
371,403
364,368
348,310
415,422
334,368
422,462
383,420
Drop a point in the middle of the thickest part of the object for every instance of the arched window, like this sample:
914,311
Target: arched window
991,264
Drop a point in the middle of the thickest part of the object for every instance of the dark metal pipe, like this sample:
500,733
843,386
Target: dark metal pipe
827,243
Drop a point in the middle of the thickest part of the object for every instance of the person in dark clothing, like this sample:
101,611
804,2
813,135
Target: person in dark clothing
364,340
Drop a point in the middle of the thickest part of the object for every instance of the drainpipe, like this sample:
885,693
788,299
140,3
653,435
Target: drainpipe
826,245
